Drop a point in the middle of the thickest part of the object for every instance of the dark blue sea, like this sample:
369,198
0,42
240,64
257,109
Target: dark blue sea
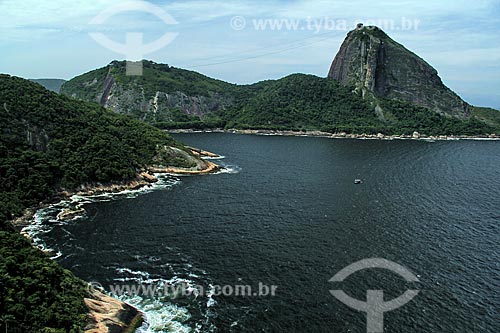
287,213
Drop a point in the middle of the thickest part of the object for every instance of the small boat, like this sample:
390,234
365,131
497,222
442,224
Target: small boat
358,181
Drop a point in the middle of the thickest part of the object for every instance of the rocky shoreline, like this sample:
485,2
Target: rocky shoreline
209,168
143,178
108,314
343,135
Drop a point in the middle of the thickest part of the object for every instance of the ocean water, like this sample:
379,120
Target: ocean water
287,213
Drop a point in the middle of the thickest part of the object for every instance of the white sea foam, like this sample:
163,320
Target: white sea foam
160,317
129,271
45,219
484,139
58,254
214,158
211,301
229,169
164,182
42,223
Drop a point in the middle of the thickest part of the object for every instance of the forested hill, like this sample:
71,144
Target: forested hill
162,94
307,102
299,102
50,142
169,97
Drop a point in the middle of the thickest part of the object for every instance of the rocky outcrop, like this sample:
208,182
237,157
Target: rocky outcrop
202,153
36,137
208,167
107,86
192,163
162,94
378,66
110,315
142,179
159,106
363,136
69,213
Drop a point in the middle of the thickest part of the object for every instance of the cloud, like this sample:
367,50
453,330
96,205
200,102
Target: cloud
455,36
27,12
202,11
384,9
469,58
31,19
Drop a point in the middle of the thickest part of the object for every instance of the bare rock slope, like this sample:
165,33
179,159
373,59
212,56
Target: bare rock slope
378,66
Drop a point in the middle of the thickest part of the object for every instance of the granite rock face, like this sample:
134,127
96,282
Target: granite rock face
378,66
162,93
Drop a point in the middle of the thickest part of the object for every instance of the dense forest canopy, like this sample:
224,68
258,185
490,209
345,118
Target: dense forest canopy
297,102
50,142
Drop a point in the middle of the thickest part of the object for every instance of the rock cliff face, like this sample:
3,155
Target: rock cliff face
127,100
36,136
377,65
163,93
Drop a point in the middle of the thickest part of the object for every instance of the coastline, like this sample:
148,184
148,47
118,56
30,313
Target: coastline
210,168
142,179
106,313
145,177
342,135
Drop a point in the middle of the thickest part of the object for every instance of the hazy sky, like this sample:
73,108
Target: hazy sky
227,39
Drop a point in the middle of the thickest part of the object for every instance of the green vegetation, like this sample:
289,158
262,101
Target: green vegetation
87,87
71,142
36,294
300,102
156,77
488,116
50,142
296,102
135,95
404,118
306,102
164,78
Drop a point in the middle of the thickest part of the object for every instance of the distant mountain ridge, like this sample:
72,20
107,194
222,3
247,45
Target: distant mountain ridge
50,84
375,85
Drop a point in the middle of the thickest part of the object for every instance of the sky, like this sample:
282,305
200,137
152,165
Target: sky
249,41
